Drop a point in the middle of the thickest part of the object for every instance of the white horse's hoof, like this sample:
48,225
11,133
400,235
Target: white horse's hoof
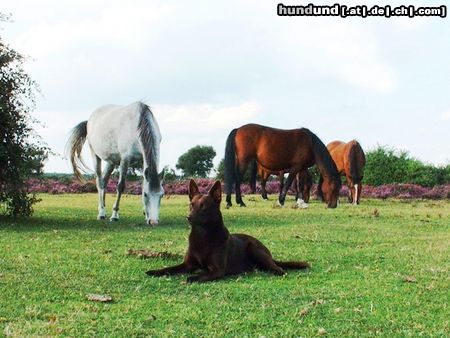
113,219
101,217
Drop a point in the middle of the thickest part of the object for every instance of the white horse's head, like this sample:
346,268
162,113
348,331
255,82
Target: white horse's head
152,192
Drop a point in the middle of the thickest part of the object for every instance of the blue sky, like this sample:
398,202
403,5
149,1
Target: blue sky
206,67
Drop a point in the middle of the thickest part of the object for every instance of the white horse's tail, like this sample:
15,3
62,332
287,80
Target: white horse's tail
74,146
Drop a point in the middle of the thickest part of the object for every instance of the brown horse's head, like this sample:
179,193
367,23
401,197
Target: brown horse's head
330,190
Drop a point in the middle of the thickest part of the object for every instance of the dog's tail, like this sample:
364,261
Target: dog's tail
293,265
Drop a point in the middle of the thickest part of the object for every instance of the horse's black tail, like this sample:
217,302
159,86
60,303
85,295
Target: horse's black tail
293,265
230,162
253,173
74,146
357,159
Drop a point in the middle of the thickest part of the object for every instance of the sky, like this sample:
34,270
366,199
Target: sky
207,67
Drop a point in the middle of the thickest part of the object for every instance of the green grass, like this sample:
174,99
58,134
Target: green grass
356,287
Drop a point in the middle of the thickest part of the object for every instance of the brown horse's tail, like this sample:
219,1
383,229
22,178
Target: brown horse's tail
74,146
357,162
230,162
293,265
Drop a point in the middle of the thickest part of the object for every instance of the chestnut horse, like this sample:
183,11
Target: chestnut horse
290,151
350,160
302,183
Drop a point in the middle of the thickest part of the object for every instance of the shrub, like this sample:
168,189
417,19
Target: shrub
388,166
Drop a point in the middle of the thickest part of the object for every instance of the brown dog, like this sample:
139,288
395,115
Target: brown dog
216,252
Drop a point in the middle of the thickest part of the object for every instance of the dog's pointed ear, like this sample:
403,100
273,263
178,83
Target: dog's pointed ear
193,189
216,192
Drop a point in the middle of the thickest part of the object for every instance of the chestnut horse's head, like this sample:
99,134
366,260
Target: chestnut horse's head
330,190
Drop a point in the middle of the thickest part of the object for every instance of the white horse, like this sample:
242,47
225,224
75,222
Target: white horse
120,135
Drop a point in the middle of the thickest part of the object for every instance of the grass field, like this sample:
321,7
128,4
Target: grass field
383,272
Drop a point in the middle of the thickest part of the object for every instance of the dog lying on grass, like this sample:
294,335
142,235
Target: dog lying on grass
214,251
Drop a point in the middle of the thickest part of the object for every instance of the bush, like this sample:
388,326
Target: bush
388,166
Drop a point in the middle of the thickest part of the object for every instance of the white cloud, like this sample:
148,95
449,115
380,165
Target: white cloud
347,50
445,116
122,26
209,117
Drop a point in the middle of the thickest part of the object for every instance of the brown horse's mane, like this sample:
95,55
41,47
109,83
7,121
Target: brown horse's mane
324,162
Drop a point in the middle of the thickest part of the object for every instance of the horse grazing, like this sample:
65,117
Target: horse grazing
120,135
276,150
302,183
350,160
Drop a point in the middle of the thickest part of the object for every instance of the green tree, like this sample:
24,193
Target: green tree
21,152
170,175
197,161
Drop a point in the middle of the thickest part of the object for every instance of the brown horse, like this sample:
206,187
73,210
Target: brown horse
290,151
302,183
350,160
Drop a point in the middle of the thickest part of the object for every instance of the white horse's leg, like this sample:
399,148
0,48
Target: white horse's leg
120,188
101,182
109,167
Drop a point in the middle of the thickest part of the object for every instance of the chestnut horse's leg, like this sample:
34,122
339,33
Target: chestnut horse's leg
253,173
319,189
359,190
286,186
301,184
281,180
306,189
351,190
298,184
264,177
